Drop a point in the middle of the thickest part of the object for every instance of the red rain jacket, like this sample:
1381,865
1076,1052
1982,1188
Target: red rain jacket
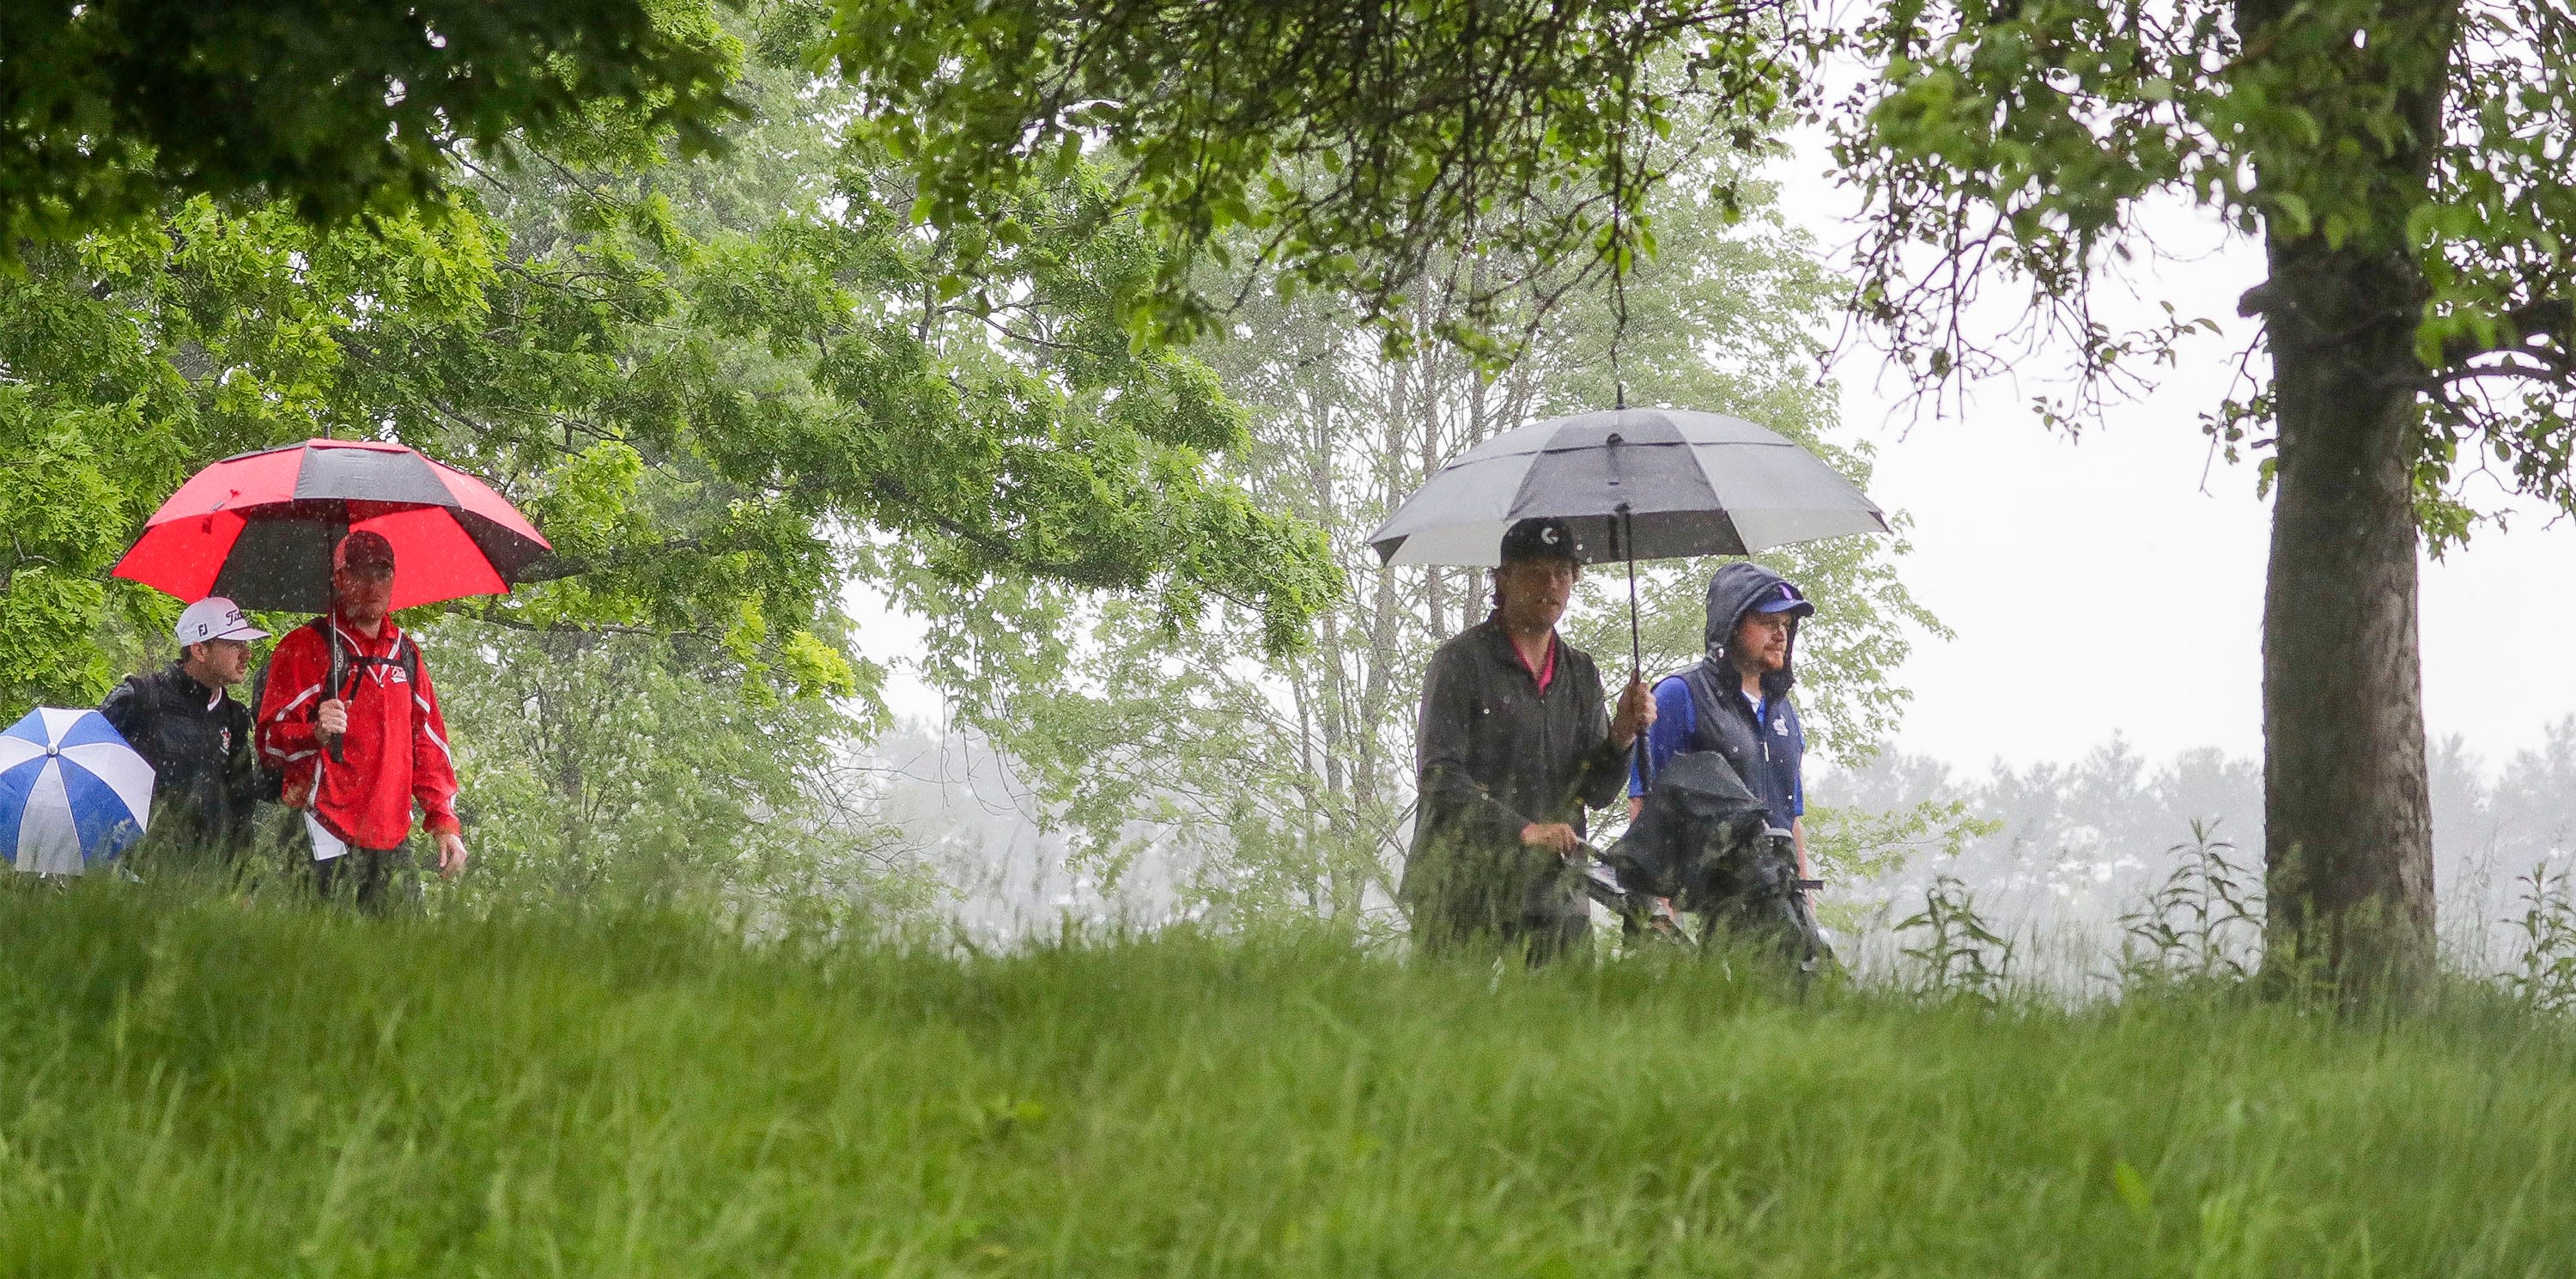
396,750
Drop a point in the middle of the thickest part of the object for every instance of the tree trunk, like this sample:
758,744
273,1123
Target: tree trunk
2348,831
2347,822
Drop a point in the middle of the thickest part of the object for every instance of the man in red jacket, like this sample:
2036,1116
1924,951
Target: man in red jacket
350,720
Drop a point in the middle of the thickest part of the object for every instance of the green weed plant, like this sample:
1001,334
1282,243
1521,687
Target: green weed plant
2202,925
2544,975
1955,952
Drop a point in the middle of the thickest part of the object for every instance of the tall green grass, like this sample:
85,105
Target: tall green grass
206,1088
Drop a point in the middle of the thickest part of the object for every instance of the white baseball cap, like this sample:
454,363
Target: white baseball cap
215,618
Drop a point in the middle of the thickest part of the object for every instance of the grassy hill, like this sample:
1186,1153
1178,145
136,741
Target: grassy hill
214,1089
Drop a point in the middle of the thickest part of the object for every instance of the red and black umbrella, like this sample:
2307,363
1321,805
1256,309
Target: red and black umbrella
259,528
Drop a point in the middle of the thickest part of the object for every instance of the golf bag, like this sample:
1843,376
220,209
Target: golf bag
1704,841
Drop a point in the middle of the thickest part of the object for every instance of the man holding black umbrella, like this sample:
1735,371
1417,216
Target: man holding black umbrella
350,719
1513,747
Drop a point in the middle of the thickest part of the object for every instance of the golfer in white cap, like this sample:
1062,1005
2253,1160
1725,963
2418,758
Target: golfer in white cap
184,723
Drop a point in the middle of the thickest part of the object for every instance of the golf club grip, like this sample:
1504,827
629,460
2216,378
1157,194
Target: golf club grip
332,747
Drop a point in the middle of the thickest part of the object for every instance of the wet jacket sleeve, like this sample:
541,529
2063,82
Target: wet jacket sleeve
1450,793
1675,719
129,710
433,766
296,671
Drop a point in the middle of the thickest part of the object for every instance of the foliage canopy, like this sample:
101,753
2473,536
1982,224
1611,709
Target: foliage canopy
719,389
1348,145
109,110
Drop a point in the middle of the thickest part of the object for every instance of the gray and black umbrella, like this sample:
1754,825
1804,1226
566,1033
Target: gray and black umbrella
1632,484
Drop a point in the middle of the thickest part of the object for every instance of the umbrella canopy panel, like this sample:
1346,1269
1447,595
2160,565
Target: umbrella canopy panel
71,791
259,528
1689,483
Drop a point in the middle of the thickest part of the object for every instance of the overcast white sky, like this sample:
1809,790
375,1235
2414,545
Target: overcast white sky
2116,583
2099,585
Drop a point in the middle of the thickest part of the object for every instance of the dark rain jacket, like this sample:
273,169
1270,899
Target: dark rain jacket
1493,755
200,755
1769,753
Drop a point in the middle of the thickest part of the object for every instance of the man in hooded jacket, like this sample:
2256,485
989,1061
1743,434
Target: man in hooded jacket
1736,701
1513,746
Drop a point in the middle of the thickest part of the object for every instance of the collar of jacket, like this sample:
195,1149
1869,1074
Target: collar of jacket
1721,671
387,635
183,682
1509,654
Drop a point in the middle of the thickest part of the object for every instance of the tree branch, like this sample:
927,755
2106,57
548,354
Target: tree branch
490,618
2557,370
2553,318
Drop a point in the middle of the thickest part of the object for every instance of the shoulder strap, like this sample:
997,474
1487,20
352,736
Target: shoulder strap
406,655
1705,707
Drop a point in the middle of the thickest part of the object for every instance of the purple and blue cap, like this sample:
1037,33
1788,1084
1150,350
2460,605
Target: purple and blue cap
1781,597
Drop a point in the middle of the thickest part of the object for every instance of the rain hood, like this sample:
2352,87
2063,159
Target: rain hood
1733,590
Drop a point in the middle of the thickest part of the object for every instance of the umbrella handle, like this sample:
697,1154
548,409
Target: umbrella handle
339,668
1636,642
1636,645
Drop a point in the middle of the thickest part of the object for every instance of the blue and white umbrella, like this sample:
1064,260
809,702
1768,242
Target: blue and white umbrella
71,791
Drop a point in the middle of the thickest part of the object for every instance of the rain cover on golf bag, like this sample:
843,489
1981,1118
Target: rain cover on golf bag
1703,840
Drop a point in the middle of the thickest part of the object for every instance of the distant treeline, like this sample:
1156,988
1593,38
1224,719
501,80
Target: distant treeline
2080,843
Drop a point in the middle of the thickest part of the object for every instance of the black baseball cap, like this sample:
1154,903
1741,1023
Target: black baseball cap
1538,539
